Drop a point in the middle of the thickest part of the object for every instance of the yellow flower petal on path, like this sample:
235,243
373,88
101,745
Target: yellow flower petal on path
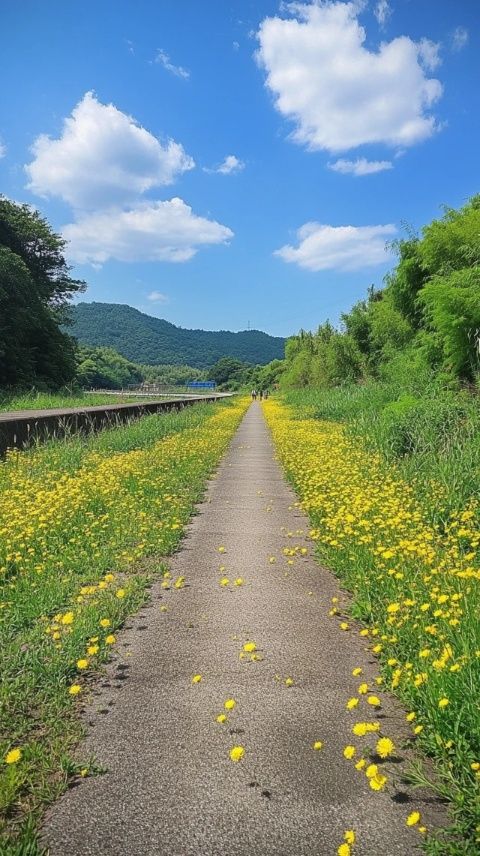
318,744
249,647
289,682
349,752
237,753
224,581
349,836
196,679
413,818
221,718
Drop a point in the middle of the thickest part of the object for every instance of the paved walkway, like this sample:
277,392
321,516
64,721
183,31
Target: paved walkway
171,788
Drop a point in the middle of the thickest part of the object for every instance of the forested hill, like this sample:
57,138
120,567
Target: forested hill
151,341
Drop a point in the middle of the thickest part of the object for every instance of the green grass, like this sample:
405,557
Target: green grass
49,401
84,523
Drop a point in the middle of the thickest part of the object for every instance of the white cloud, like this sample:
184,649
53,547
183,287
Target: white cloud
103,157
3,149
343,248
236,46
230,164
148,231
428,54
382,12
361,166
460,38
157,297
340,94
163,59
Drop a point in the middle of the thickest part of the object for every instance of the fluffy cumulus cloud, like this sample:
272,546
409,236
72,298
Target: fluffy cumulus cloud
360,166
157,297
339,93
102,165
342,248
149,231
103,157
229,165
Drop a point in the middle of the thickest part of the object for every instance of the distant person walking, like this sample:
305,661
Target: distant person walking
254,394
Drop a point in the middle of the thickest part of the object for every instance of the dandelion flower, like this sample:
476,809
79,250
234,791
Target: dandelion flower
344,849
224,581
349,752
110,639
229,704
105,622
239,581
318,744
357,672
221,718
13,756
196,679
289,682
75,689
443,702
82,664
221,549
120,593
363,689
249,647
384,747
374,701
237,753
351,703
349,836
344,625
413,818
378,782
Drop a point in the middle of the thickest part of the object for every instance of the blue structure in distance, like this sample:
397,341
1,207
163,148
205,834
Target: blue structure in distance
201,384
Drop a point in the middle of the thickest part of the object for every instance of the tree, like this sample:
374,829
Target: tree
35,288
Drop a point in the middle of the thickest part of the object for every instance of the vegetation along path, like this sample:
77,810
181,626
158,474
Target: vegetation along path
223,721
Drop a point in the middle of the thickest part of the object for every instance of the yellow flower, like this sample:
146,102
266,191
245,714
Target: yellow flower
374,701
221,549
179,583
344,625
67,618
196,679
92,650
289,682
221,718
360,729
82,664
413,818
360,764
443,702
239,581
120,593
384,747
249,647
349,752
318,744
371,771
224,581
237,753
13,756
229,704
378,782
110,639
363,689
349,836
75,689
357,672
344,850
105,622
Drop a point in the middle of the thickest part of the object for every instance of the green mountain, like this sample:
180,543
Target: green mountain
143,339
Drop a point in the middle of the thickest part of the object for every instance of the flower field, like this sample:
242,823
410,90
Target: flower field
415,585
83,526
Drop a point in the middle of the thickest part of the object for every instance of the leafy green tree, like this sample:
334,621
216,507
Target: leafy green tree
452,305
34,290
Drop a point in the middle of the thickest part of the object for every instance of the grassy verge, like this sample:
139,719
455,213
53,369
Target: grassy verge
77,520
49,401
409,553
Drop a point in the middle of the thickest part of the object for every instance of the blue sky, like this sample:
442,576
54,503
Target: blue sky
269,125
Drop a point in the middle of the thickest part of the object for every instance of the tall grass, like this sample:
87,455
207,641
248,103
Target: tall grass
49,400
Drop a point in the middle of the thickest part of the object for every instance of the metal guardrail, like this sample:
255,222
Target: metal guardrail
19,429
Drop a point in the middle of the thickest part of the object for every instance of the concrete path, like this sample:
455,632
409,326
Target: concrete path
171,788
